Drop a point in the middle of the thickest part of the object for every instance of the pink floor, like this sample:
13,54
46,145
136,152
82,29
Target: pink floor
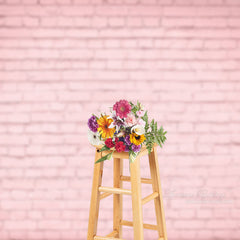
61,60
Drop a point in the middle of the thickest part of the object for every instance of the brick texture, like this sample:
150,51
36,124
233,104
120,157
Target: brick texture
61,60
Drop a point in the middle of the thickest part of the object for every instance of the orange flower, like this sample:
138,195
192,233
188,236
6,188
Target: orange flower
104,122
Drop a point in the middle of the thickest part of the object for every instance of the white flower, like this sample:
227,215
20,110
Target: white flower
94,138
117,128
113,113
120,134
138,129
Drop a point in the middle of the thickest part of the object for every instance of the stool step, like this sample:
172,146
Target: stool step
145,225
104,195
143,180
115,190
149,197
112,234
106,238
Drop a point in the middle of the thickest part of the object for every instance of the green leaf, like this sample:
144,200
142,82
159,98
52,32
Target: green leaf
134,109
145,117
131,103
95,116
104,148
152,124
138,106
106,157
158,141
132,156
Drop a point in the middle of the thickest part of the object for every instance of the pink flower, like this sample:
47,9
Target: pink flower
130,120
140,113
122,108
141,122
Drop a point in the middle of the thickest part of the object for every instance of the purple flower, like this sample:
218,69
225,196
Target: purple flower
136,148
117,121
126,148
92,123
127,140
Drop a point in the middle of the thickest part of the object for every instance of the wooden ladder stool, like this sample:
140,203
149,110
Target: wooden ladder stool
99,192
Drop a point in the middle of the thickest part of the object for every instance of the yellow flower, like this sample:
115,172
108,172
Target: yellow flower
137,139
104,122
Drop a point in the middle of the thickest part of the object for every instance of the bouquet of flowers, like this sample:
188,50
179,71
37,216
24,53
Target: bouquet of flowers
125,129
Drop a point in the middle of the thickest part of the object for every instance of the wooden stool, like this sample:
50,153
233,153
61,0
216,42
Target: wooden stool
99,192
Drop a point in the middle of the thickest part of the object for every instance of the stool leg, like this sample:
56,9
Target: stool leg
117,198
154,169
95,198
136,199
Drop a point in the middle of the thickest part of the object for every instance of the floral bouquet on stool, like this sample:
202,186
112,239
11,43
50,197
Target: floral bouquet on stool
125,129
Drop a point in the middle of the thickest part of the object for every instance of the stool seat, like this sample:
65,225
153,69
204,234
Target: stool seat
124,155
100,192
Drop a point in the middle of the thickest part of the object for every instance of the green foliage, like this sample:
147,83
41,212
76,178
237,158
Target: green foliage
104,148
153,134
106,157
145,118
95,116
135,108
132,156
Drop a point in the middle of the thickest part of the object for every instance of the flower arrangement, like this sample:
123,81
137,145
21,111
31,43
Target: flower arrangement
125,129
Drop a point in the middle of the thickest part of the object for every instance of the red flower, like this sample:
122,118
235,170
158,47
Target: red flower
120,147
109,143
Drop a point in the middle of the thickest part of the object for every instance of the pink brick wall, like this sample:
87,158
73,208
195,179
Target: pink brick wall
61,60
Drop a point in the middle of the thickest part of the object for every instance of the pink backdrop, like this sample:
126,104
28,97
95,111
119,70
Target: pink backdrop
61,60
